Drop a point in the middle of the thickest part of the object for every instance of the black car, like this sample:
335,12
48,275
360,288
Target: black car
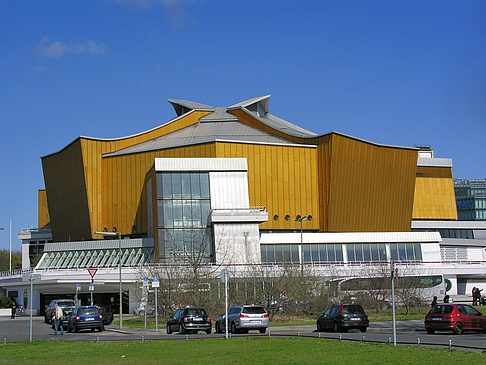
67,312
87,317
189,320
343,317
63,303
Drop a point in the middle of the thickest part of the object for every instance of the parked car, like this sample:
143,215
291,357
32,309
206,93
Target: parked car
86,317
63,303
189,320
243,318
343,317
455,317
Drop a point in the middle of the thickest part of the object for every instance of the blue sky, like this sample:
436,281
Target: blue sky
393,72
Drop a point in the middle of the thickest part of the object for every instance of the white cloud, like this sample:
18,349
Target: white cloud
58,49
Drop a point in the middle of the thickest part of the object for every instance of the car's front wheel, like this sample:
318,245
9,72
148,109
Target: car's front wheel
363,329
168,330
458,328
208,331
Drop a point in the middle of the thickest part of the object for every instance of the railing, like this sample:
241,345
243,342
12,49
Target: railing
4,274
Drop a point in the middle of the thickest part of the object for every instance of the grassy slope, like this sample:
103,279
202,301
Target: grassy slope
235,351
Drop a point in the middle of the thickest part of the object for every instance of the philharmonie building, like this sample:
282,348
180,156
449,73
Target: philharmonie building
235,187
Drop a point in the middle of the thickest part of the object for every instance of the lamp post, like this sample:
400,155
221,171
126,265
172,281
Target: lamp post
301,254
114,233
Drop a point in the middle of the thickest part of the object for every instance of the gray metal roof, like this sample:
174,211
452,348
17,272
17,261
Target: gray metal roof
220,115
206,133
434,162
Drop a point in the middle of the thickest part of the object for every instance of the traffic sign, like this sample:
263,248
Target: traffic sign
224,275
92,272
145,281
155,282
78,287
31,277
91,287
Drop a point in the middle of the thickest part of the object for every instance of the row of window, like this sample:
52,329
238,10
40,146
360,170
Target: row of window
182,185
185,244
450,233
471,214
183,213
356,252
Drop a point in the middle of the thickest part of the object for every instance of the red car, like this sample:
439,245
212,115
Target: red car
455,317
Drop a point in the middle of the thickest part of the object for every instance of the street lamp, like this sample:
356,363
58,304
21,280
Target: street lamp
301,255
115,233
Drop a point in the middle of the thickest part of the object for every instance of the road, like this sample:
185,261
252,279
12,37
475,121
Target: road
408,332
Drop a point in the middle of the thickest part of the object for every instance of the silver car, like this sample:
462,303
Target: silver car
242,318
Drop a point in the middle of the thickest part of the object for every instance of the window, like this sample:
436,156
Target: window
183,206
406,251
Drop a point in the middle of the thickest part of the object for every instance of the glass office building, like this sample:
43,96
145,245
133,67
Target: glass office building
470,199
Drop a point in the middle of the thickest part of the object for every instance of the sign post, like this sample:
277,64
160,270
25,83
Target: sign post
92,272
224,279
392,264
156,284
78,289
31,277
145,290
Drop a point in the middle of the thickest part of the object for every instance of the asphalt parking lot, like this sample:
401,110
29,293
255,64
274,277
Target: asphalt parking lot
410,332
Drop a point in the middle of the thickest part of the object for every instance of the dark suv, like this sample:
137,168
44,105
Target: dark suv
343,317
189,320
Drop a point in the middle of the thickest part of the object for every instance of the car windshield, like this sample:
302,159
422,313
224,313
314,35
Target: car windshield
352,309
196,312
88,311
254,310
442,309
65,303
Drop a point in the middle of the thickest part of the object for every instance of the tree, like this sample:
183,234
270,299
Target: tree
5,260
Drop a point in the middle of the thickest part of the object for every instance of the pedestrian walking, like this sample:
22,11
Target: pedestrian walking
474,296
58,317
14,309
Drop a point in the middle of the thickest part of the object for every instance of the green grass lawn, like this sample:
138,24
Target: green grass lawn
233,351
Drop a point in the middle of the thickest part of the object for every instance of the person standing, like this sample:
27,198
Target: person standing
474,296
14,309
58,317
434,302
477,299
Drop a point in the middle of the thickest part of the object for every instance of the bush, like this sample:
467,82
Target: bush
5,302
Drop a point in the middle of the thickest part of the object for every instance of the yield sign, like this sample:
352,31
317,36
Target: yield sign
92,272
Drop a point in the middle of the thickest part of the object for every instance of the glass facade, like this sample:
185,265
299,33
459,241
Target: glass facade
366,252
450,233
313,253
183,208
406,251
333,252
470,199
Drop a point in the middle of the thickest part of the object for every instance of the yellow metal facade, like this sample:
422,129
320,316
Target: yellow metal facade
283,179
43,219
434,194
371,187
346,184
